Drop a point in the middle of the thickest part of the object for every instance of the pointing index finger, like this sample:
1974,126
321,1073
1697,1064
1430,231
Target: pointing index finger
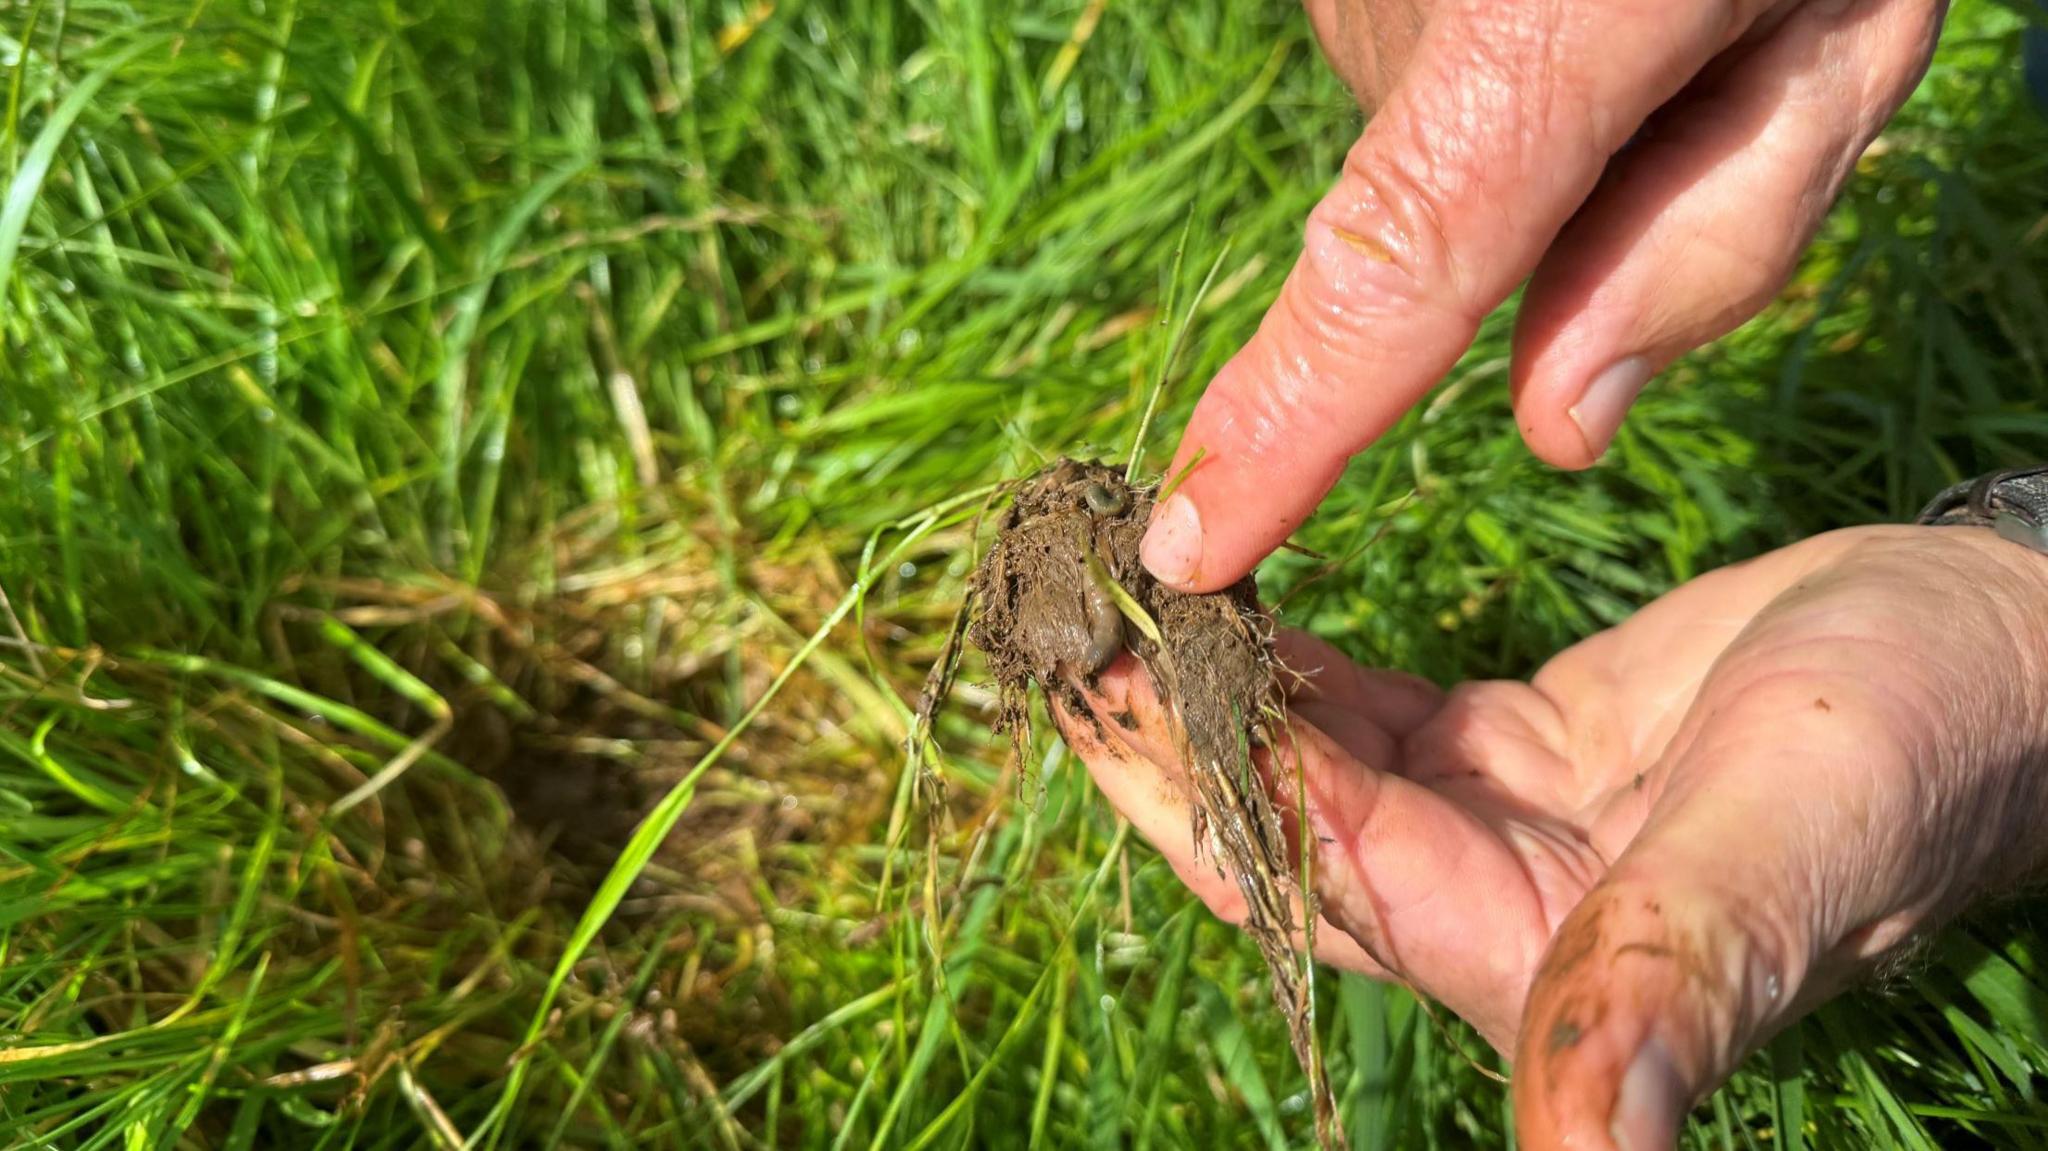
1498,131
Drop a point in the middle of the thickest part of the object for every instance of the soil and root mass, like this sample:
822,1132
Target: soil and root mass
1061,594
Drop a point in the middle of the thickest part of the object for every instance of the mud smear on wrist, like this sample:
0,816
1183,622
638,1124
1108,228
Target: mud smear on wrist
1060,594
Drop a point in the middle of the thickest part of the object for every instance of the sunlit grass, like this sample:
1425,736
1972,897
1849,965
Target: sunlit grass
429,433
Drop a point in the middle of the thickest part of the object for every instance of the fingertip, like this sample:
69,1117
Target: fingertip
1597,1092
1220,524
1652,1101
1591,1068
1124,720
1557,440
1113,689
1605,400
1172,547
1652,991
1574,377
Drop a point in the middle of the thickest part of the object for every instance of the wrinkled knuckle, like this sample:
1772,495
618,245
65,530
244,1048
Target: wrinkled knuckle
1888,47
1810,675
1511,45
1378,243
1913,42
1525,82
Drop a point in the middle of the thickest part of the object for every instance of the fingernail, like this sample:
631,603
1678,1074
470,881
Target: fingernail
1600,410
1172,548
1652,1102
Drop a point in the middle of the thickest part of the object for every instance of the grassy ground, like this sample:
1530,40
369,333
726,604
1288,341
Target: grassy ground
435,436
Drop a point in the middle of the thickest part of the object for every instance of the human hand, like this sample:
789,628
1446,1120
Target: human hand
1681,835
1497,156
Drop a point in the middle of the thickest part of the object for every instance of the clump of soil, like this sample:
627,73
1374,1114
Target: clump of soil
1065,554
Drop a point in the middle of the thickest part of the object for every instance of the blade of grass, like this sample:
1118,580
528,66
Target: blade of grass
1172,360
27,183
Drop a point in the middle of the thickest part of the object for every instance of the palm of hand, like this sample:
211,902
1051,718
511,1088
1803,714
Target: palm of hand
1729,802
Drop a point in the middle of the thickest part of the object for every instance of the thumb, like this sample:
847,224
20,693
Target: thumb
1714,928
1502,124
1847,777
1651,994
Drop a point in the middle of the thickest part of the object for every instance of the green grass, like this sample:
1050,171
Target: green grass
471,412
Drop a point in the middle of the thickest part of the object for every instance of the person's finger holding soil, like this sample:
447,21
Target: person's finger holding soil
1424,885
1126,738
1061,592
1685,831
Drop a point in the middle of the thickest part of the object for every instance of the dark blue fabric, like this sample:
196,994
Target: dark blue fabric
2034,56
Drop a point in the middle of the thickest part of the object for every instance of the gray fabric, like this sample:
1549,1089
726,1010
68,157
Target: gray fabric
2013,502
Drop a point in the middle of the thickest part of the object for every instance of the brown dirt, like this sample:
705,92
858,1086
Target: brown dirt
1047,616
